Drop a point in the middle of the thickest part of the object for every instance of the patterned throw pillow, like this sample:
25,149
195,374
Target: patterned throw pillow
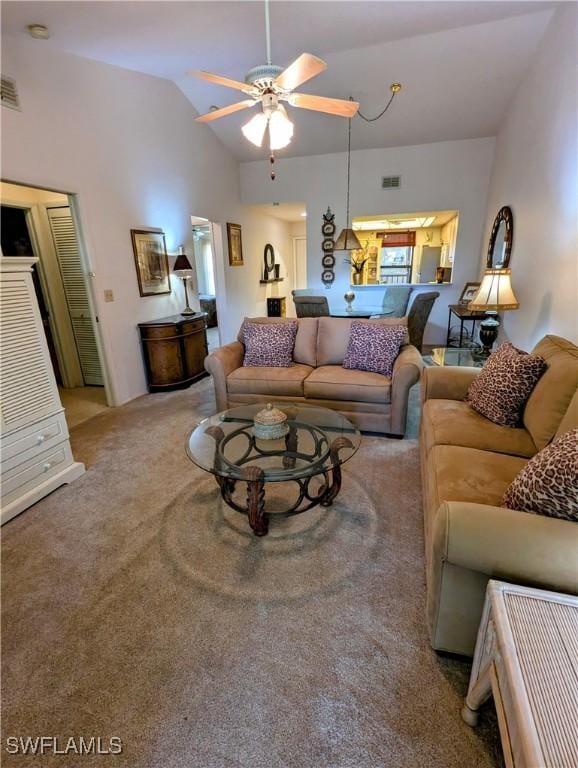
269,344
500,391
548,484
374,346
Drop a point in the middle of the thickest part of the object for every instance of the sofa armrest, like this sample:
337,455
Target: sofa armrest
406,372
220,364
471,543
507,544
447,382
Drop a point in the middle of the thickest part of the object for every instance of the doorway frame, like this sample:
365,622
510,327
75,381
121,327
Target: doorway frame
218,257
296,270
88,276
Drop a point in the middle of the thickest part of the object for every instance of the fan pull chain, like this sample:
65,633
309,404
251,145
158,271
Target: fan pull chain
272,161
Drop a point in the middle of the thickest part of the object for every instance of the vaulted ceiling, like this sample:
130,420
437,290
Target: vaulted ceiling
459,62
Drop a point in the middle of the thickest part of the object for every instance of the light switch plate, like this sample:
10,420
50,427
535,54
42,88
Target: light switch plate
108,295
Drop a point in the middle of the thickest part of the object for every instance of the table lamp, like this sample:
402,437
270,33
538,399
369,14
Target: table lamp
494,294
184,270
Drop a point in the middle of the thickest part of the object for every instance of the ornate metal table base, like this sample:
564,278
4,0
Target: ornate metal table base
255,479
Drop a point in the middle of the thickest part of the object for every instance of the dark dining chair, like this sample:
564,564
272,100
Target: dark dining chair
311,306
418,316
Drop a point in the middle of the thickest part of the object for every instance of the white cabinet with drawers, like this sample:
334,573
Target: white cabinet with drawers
34,445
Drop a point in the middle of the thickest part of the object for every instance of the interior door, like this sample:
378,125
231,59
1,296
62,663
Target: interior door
300,262
73,280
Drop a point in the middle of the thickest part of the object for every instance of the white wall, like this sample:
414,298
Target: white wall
245,295
127,145
441,176
535,173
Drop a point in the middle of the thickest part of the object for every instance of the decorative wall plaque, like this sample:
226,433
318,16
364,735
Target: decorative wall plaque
328,259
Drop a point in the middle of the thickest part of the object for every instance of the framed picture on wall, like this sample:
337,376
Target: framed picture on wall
468,293
235,245
152,264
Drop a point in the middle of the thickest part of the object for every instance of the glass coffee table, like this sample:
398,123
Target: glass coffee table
317,442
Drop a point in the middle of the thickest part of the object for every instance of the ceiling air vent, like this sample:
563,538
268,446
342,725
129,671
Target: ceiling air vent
9,93
390,182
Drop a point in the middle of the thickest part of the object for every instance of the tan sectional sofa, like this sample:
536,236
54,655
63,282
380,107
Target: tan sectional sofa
371,401
467,464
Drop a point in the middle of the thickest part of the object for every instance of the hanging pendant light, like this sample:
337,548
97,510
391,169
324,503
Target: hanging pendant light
347,240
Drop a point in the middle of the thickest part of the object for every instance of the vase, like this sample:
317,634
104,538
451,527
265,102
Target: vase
357,278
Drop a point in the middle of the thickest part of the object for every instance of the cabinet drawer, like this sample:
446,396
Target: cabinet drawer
25,443
30,474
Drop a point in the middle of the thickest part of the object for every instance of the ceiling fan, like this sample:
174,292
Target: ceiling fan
269,85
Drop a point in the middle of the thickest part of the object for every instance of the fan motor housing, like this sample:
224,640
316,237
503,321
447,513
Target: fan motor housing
262,76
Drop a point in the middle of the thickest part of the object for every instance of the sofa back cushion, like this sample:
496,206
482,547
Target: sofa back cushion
570,420
333,337
305,350
551,397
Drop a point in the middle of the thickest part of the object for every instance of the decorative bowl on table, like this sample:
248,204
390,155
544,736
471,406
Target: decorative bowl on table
270,423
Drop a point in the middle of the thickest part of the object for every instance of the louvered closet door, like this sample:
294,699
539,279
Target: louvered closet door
68,255
27,381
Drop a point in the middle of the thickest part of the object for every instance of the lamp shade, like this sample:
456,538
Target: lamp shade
347,241
495,292
183,265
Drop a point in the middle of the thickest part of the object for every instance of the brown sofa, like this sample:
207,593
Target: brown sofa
373,402
467,463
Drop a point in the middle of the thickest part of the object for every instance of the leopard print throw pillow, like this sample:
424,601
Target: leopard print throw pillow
548,484
269,345
500,391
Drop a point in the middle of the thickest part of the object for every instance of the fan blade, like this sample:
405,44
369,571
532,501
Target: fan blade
217,113
300,71
339,107
220,80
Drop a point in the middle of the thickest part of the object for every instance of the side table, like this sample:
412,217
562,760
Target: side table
464,315
527,658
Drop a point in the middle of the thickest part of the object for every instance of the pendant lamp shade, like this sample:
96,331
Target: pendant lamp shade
495,292
347,241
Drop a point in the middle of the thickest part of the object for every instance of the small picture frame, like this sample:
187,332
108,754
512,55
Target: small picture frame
151,260
468,292
327,244
235,244
328,261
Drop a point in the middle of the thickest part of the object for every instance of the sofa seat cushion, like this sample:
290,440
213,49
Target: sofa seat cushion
466,474
332,382
257,380
454,422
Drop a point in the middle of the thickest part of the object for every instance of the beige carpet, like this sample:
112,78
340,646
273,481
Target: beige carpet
136,605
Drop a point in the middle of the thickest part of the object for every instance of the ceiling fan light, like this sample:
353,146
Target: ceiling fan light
280,129
255,129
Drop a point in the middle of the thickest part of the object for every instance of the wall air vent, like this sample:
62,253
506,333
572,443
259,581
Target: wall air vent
9,93
390,182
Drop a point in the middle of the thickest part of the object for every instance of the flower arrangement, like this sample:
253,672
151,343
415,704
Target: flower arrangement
358,259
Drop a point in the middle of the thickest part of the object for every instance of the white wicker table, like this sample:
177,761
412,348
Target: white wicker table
527,658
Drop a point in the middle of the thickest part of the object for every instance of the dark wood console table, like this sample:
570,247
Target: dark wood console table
174,350
464,315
